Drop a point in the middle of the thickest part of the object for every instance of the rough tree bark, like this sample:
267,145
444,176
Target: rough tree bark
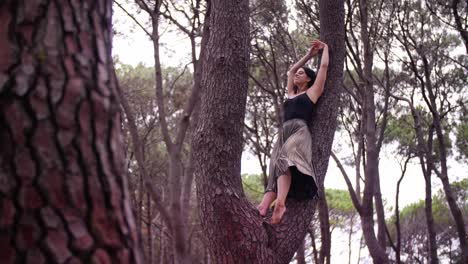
234,230
63,190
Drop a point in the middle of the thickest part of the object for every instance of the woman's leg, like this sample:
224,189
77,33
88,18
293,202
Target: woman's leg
284,182
267,199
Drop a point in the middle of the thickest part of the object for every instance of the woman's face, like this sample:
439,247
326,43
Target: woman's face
301,77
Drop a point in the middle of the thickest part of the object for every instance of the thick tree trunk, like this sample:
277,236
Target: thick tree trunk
331,22
235,231
63,190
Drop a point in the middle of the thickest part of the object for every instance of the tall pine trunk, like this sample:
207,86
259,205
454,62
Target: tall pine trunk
63,190
235,232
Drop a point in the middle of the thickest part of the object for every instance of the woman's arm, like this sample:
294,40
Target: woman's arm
292,71
317,88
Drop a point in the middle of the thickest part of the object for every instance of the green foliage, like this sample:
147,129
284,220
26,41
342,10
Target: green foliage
461,142
340,200
413,221
401,130
253,187
341,208
440,209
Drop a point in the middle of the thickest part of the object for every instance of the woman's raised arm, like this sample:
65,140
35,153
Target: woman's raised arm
317,88
292,71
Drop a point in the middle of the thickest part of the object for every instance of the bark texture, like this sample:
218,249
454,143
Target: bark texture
235,232
63,191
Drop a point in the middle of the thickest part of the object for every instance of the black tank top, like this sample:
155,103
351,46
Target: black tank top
298,107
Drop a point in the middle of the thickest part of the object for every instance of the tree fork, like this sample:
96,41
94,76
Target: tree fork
234,230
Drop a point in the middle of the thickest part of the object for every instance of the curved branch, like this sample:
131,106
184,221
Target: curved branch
352,193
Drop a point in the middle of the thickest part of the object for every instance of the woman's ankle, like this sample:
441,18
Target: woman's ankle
280,204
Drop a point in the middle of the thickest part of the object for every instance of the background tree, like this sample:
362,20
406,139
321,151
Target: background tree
426,53
414,236
175,130
453,13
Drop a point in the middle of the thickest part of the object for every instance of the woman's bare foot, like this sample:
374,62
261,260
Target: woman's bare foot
267,199
262,209
278,214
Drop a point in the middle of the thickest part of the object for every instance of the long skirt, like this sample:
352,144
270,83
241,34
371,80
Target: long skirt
293,151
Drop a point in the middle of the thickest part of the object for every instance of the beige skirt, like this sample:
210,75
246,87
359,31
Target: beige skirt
293,151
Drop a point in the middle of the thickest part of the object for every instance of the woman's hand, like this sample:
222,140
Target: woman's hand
316,45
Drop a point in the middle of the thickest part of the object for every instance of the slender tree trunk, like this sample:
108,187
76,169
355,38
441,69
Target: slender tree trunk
459,23
432,246
397,223
314,246
63,191
397,213
177,225
379,208
350,239
149,228
442,147
300,257
325,238
360,249
139,210
426,167
371,170
358,165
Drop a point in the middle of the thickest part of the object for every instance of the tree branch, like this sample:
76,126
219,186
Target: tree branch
134,19
352,193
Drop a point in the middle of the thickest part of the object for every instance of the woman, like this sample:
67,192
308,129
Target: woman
291,168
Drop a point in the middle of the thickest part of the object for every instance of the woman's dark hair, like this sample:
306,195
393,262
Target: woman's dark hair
311,74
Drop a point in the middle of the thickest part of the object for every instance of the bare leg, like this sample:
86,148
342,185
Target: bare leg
284,182
267,199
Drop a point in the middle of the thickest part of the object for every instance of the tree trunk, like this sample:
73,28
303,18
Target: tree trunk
149,258
442,147
424,153
371,170
432,242
459,23
63,191
325,238
314,246
379,209
235,231
300,254
350,239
